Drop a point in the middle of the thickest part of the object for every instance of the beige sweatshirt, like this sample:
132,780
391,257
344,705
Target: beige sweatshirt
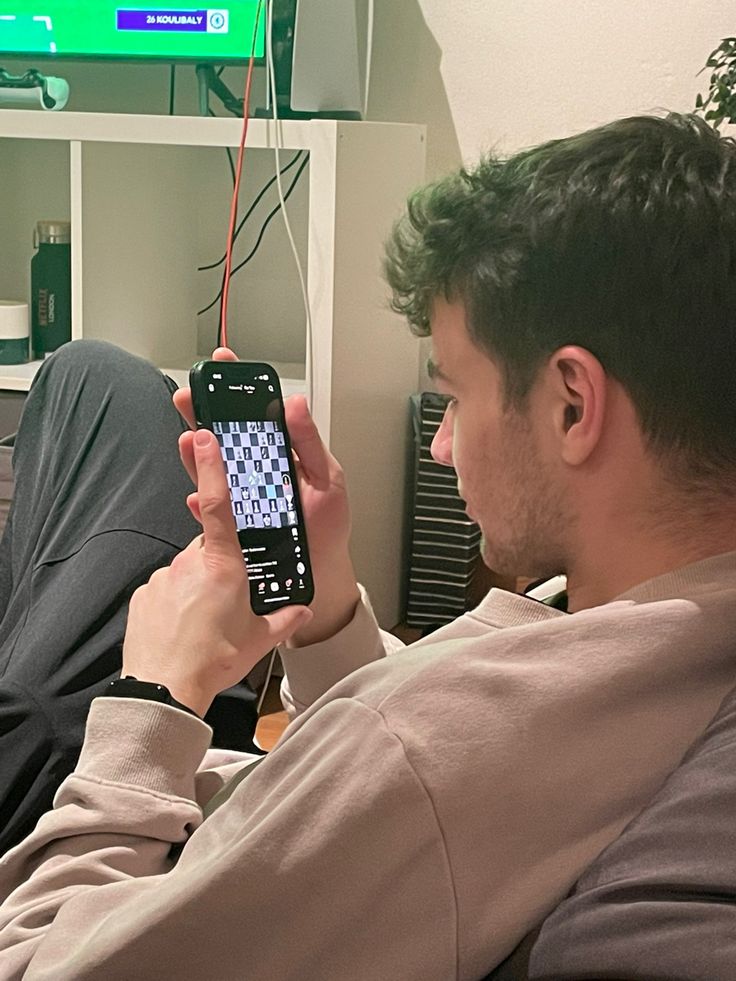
413,823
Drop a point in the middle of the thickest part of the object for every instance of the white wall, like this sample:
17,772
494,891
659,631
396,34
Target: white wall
505,74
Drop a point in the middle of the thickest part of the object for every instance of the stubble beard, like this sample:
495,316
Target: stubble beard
539,523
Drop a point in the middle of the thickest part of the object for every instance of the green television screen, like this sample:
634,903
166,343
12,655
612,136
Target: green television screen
124,31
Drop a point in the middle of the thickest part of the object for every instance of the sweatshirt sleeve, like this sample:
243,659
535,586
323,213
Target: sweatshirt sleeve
311,671
285,880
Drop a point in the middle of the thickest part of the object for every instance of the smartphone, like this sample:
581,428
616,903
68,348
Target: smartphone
241,403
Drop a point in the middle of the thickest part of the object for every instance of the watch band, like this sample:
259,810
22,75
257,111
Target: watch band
131,687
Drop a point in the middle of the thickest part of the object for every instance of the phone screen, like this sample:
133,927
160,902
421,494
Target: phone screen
241,403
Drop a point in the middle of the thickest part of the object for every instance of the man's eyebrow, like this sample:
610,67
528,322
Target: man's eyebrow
435,372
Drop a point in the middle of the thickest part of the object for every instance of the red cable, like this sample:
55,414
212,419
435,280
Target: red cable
236,187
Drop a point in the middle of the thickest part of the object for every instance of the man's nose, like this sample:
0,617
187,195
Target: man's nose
441,448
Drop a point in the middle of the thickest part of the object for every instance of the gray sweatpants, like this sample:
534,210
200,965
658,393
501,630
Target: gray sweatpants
99,504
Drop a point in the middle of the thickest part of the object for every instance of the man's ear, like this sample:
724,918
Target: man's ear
579,385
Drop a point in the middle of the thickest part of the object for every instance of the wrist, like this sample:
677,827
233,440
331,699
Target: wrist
189,698
128,686
333,610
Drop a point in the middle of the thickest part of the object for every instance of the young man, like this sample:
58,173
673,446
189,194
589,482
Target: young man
425,810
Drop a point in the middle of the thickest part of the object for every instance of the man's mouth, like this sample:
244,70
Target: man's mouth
467,506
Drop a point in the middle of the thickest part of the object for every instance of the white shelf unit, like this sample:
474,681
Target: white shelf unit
147,197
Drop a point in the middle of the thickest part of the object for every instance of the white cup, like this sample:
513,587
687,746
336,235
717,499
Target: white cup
14,328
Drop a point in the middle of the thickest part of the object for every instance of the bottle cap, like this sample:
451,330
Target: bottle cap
52,233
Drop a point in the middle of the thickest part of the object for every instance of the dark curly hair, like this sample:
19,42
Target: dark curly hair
621,240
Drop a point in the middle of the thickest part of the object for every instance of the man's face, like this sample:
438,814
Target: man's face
510,485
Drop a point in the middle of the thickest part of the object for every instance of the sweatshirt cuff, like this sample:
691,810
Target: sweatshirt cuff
143,743
311,671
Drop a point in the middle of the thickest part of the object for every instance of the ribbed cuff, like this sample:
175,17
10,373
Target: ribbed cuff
313,670
148,744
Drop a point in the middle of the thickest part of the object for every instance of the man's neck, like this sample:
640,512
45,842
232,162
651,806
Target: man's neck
611,565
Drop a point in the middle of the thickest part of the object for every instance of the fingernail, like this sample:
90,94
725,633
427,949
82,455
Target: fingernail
202,437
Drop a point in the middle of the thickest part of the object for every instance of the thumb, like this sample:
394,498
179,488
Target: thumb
286,621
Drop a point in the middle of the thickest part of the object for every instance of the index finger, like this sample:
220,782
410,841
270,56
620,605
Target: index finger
213,494
183,396
315,458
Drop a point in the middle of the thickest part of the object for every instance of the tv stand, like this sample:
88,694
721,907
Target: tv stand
209,81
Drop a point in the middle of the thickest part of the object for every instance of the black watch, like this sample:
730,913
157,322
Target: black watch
131,687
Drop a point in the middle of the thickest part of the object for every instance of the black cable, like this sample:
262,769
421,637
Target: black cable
268,219
237,232
254,204
251,254
259,239
229,153
172,88
217,87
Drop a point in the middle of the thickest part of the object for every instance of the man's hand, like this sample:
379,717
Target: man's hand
191,627
326,513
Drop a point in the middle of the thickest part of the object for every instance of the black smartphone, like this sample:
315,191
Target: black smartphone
241,403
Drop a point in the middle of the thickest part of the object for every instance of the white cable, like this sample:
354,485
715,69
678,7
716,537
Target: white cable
368,57
271,81
264,689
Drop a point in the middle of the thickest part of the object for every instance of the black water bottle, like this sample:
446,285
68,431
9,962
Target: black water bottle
51,287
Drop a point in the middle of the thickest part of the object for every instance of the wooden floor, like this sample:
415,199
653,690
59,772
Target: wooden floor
272,720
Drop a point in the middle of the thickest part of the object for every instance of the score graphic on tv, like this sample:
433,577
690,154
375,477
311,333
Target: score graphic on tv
211,21
107,29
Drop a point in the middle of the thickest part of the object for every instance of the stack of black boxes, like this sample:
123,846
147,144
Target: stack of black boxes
444,542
